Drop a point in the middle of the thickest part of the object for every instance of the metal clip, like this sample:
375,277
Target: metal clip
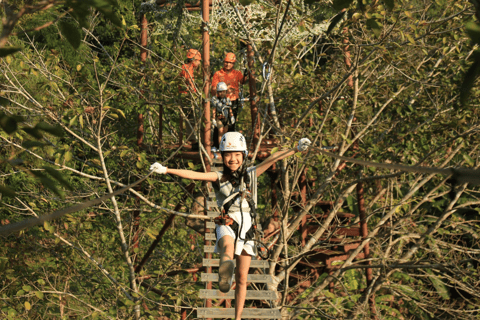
266,75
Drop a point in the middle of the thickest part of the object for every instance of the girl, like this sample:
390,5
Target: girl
227,182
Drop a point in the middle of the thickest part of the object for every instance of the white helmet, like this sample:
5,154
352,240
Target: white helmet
222,86
233,141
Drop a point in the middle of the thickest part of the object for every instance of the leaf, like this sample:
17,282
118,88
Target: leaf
106,8
33,132
7,192
468,159
469,79
6,51
473,31
28,306
441,288
46,226
375,26
8,124
410,38
390,4
31,144
59,177
335,20
274,150
79,67
68,156
70,32
54,130
246,2
191,165
4,102
341,4
72,121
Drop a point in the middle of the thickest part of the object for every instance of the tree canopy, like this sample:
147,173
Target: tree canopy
388,82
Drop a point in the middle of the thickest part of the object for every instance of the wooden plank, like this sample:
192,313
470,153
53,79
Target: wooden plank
213,214
210,236
251,294
213,169
248,313
212,204
253,264
212,194
208,249
255,278
210,225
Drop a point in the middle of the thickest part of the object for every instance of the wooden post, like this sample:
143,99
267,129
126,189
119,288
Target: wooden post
303,194
160,125
206,107
253,95
366,248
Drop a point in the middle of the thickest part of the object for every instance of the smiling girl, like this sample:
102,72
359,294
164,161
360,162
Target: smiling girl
227,185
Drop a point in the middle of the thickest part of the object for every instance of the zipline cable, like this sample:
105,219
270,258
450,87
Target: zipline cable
459,175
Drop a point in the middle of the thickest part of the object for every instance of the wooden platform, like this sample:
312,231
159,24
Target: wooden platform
249,313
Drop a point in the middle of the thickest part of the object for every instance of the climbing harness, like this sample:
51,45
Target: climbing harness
223,105
242,179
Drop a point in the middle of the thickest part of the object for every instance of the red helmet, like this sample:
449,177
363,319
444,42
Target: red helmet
230,57
194,53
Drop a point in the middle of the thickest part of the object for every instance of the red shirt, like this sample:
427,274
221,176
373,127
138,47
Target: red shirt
232,79
187,78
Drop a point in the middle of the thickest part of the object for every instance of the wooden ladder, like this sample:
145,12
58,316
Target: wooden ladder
261,279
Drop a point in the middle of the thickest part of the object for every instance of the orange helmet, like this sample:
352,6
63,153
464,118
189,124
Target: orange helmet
193,53
230,57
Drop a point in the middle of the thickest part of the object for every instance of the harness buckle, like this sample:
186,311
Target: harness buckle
223,220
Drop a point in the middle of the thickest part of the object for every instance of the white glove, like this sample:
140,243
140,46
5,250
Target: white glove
303,144
232,119
214,122
158,168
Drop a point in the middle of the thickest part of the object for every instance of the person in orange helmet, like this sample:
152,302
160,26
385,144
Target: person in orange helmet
232,78
186,87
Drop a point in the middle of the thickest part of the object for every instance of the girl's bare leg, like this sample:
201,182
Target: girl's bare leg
221,131
243,265
225,271
225,244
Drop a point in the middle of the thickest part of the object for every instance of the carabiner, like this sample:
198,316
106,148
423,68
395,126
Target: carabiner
267,75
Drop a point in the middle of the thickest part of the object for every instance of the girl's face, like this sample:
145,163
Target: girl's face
233,159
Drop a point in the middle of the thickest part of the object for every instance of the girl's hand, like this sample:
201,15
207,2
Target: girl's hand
158,168
303,144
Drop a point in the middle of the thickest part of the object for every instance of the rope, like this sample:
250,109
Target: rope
459,175
279,32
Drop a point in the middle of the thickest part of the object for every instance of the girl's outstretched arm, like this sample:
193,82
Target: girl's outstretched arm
303,145
186,174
